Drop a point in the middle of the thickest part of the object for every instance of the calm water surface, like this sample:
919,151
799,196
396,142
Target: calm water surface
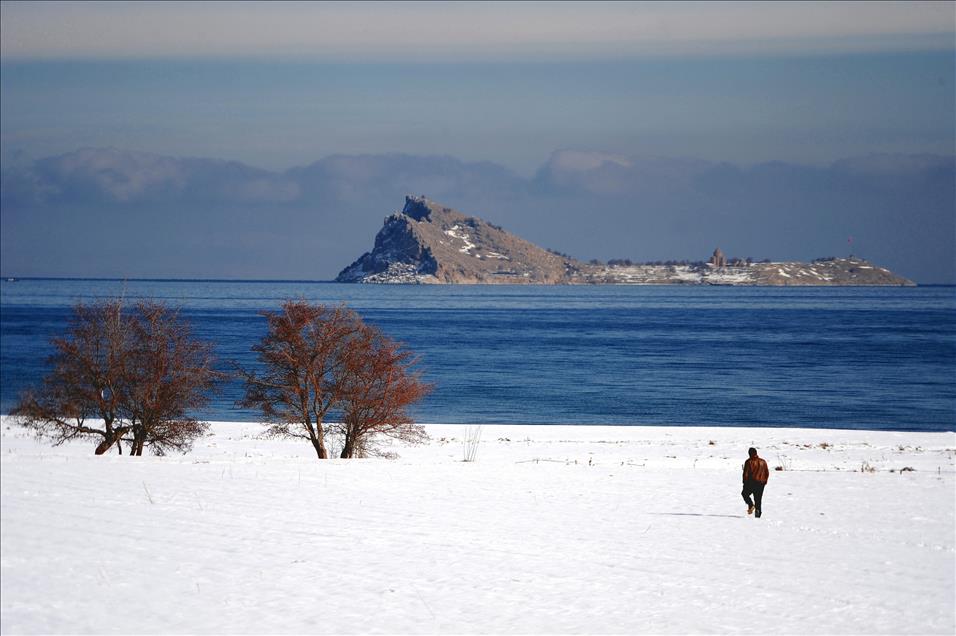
873,358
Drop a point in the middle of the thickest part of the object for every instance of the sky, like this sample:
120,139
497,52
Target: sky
279,85
282,85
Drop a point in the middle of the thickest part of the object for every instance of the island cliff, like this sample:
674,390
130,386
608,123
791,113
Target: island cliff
430,243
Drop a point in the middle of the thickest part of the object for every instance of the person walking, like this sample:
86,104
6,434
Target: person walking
756,474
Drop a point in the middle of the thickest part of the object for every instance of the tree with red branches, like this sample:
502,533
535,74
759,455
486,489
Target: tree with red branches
170,376
380,385
318,362
123,375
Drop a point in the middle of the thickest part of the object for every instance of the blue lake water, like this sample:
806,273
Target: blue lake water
868,358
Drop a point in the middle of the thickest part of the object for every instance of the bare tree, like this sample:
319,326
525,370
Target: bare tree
120,375
380,384
169,376
85,380
303,359
318,361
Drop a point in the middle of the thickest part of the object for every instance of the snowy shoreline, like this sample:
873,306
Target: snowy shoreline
553,529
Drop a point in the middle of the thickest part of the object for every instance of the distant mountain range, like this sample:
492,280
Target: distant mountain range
116,213
428,242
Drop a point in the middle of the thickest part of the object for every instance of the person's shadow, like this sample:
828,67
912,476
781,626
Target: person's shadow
694,514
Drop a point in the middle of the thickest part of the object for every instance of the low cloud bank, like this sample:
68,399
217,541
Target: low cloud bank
110,212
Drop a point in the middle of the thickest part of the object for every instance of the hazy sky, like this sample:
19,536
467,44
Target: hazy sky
815,121
465,30
281,84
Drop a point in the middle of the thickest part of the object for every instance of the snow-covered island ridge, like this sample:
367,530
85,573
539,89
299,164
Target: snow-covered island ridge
553,529
428,242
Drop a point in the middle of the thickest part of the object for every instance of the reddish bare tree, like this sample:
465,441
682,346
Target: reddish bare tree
303,358
380,384
319,361
170,375
137,373
88,369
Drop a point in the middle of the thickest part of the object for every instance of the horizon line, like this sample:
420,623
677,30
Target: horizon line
11,279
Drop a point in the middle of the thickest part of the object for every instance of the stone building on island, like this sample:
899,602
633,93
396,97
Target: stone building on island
718,259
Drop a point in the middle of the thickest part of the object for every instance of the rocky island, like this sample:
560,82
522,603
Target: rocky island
430,243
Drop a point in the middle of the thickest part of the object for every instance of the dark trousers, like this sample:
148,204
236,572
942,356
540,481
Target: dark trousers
754,488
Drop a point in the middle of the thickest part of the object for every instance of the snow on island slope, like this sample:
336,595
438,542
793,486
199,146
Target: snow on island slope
427,242
554,529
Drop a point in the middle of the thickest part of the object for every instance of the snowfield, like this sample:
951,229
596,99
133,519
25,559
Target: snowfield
554,529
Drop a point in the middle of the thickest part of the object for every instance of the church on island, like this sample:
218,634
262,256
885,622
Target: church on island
718,259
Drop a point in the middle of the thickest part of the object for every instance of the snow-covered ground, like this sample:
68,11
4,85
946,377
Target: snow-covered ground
554,529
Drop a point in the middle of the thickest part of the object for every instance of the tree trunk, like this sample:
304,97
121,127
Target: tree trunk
136,447
348,448
317,436
139,439
111,437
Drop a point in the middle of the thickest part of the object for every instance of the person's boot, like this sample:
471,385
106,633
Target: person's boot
750,510
758,514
